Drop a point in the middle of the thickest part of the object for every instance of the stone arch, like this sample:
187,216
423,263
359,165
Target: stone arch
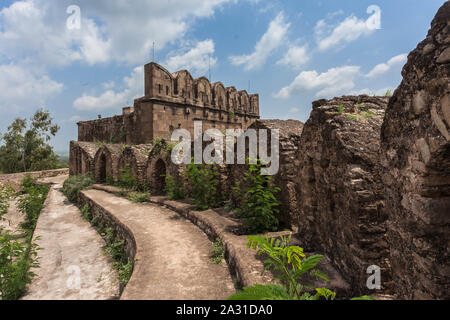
82,157
135,158
183,84
244,101
232,98
106,163
219,95
160,163
203,91
159,81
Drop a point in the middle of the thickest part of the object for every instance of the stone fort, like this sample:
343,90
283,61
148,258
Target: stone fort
173,101
365,180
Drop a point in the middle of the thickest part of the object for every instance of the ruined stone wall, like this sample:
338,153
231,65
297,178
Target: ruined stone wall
289,137
81,159
415,152
174,101
339,191
109,130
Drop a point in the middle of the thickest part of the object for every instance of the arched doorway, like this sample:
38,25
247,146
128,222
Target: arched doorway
102,169
159,177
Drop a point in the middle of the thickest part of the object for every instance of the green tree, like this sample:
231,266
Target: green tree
25,144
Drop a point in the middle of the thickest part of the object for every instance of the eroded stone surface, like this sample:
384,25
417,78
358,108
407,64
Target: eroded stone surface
415,152
340,195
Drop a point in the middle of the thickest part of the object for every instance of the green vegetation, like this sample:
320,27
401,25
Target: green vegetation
341,109
203,180
218,251
139,197
5,195
25,145
388,93
175,188
17,258
74,184
256,202
127,180
290,264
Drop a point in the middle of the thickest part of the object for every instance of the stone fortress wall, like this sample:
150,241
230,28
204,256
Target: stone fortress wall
173,101
365,180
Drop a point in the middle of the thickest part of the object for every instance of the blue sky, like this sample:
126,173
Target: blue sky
291,52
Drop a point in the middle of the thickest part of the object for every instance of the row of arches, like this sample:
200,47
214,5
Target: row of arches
147,163
181,84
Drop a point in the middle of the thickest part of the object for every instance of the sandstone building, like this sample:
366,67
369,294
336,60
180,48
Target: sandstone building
173,101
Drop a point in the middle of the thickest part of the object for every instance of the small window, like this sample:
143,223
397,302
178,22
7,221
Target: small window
159,88
167,90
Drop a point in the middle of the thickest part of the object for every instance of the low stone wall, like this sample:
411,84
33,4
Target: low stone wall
14,179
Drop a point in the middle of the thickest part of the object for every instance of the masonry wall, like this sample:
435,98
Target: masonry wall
415,153
339,191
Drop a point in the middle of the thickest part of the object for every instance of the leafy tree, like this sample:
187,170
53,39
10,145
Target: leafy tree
25,144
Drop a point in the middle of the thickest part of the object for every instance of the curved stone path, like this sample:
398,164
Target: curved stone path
172,256
72,263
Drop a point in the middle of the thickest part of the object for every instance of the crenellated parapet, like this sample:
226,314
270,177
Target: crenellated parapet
181,87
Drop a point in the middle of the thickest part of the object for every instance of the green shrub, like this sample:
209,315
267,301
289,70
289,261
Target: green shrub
127,180
74,184
218,251
31,202
16,257
204,185
341,108
175,188
16,261
139,197
257,202
86,212
290,264
5,195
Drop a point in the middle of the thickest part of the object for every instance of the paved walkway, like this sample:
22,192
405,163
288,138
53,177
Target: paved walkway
173,255
72,263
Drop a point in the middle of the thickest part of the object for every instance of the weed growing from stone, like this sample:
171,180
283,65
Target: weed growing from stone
139,197
218,251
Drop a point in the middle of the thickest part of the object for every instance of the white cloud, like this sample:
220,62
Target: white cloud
351,29
22,88
114,99
110,30
196,60
334,81
295,57
382,68
270,41
370,92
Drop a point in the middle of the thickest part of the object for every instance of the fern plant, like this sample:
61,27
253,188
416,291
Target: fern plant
290,264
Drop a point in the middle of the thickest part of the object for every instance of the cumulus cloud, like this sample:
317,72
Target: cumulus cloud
351,29
196,60
22,87
295,57
382,68
133,87
37,29
270,41
333,82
